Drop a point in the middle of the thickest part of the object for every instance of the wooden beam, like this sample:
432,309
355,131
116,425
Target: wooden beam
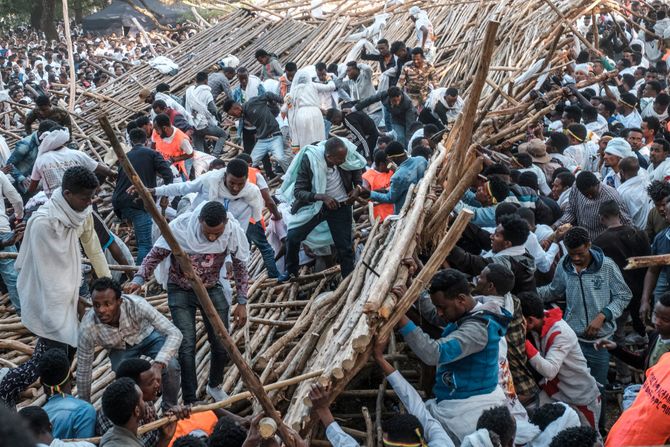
641,262
467,118
248,376
70,57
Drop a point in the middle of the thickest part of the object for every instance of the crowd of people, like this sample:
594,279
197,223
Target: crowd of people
31,66
532,325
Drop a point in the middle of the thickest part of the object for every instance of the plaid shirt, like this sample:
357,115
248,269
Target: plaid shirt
149,439
137,321
524,383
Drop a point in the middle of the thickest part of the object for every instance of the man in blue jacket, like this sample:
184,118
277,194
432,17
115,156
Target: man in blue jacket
466,355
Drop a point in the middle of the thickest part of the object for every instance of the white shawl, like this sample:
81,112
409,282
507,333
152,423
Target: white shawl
49,270
215,186
197,99
53,139
567,420
186,229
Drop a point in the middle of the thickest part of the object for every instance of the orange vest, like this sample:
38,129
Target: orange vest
379,180
172,149
204,421
646,421
253,175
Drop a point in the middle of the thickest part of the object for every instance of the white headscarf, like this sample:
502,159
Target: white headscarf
187,230
53,139
303,93
619,148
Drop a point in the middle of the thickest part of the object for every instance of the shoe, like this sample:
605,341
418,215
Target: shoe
217,393
285,277
636,339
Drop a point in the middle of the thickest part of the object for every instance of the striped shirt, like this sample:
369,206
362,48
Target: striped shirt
582,211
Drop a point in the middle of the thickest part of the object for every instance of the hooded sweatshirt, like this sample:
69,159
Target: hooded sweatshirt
561,362
600,288
466,355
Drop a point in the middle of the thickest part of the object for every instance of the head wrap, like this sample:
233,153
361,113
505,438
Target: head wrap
619,148
53,139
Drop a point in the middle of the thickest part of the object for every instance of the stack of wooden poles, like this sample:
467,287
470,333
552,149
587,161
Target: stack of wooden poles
316,323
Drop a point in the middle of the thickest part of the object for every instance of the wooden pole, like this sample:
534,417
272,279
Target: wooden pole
145,35
641,262
470,108
573,29
247,374
70,57
423,278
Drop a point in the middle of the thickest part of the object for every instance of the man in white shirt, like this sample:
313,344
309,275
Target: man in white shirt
617,149
200,104
54,158
633,191
229,186
424,31
659,166
628,114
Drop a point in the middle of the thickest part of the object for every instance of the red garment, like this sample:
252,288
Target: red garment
647,422
379,180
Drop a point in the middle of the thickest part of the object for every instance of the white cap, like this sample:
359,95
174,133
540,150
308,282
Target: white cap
414,11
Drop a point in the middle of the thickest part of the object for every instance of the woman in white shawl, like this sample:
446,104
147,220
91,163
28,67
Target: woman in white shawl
305,119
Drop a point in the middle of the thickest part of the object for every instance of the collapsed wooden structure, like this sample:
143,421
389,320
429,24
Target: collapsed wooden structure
316,323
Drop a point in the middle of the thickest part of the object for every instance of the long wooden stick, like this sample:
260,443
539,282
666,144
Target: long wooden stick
248,376
70,57
470,107
640,262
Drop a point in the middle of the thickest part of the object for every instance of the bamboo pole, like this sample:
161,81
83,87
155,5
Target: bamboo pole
70,56
247,374
470,107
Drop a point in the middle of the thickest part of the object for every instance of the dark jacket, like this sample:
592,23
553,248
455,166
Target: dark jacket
303,183
621,243
148,163
260,112
522,266
403,115
364,132
634,359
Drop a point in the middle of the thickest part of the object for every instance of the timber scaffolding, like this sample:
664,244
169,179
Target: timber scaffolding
317,323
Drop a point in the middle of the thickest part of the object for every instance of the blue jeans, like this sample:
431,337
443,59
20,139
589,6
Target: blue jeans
150,347
256,235
327,124
273,146
183,306
400,135
9,275
598,361
142,223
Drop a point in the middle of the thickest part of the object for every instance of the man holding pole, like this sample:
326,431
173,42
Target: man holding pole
207,235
